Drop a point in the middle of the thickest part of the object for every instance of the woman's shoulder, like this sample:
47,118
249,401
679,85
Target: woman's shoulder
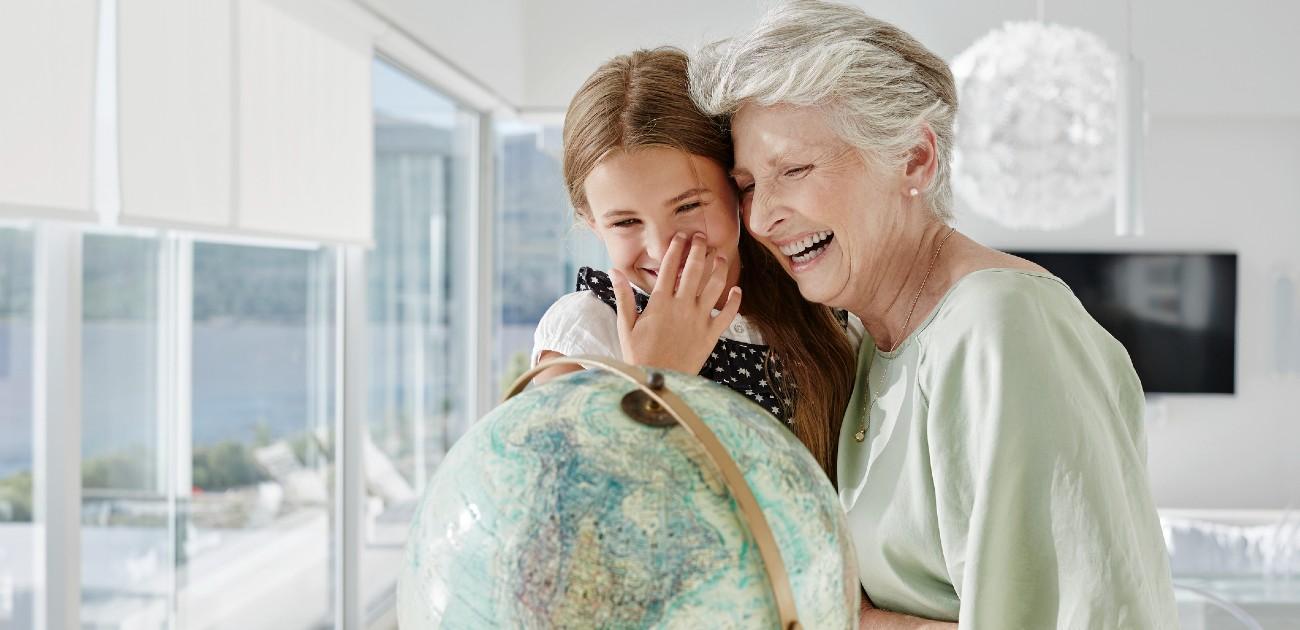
998,296
992,315
1001,309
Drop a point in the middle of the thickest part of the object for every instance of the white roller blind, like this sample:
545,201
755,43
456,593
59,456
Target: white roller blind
175,112
305,149
47,82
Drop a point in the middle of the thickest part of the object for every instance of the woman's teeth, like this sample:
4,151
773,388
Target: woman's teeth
808,248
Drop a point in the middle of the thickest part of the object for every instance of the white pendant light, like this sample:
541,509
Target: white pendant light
1038,126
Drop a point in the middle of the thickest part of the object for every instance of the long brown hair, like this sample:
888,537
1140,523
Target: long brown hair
641,100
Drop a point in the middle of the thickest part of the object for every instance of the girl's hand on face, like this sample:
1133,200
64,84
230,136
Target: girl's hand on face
677,330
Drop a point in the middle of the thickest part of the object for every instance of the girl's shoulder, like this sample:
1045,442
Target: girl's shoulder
577,308
577,323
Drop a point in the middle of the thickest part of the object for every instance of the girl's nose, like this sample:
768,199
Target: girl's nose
657,241
692,223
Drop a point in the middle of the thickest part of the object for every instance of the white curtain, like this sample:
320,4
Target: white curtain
247,116
47,79
306,151
175,112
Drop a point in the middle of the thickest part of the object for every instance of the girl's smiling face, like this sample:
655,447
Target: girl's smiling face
638,200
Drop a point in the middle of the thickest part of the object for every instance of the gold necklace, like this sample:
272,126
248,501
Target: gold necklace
862,426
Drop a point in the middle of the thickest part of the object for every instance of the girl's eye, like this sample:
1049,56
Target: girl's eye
795,172
625,223
687,207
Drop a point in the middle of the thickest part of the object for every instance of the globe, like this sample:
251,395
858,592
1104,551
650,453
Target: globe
559,510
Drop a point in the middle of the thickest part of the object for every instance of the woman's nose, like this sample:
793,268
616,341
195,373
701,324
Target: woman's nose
763,214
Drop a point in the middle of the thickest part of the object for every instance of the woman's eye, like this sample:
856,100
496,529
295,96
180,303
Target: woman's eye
687,207
746,189
624,223
797,171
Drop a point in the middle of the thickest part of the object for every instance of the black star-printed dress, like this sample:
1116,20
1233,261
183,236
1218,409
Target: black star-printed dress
744,367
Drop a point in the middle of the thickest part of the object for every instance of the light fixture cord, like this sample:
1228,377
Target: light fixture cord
1128,27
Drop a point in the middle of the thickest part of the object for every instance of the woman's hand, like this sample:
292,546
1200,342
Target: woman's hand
677,330
871,618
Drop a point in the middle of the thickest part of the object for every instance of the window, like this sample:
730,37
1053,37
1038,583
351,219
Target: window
258,529
18,551
533,215
126,542
209,376
418,309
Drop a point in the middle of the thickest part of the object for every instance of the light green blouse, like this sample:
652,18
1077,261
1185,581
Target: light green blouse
1003,482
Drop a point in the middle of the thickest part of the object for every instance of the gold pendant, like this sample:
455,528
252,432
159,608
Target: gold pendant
861,434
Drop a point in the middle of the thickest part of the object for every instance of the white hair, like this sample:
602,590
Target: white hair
878,85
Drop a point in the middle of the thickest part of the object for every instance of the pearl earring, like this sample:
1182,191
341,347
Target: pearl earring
913,192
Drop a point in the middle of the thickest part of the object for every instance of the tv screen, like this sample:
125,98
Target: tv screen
1176,313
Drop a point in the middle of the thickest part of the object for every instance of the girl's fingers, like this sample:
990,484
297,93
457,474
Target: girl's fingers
668,267
696,269
716,284
624,303
728,312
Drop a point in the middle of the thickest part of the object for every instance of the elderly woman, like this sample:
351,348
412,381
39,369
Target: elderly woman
992,459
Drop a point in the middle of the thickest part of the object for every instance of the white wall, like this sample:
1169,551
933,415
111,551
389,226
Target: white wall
483,38
566,39
1222,172
1207,57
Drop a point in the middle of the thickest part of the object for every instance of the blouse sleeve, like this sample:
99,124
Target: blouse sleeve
1036,442
578,323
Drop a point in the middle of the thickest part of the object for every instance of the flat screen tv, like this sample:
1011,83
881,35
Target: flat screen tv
1176,313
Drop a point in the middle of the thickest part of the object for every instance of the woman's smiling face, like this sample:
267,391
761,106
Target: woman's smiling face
638,200
813,200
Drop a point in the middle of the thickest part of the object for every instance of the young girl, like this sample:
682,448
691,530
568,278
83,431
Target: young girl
648,173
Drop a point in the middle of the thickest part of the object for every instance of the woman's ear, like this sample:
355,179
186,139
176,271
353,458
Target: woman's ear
923,161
